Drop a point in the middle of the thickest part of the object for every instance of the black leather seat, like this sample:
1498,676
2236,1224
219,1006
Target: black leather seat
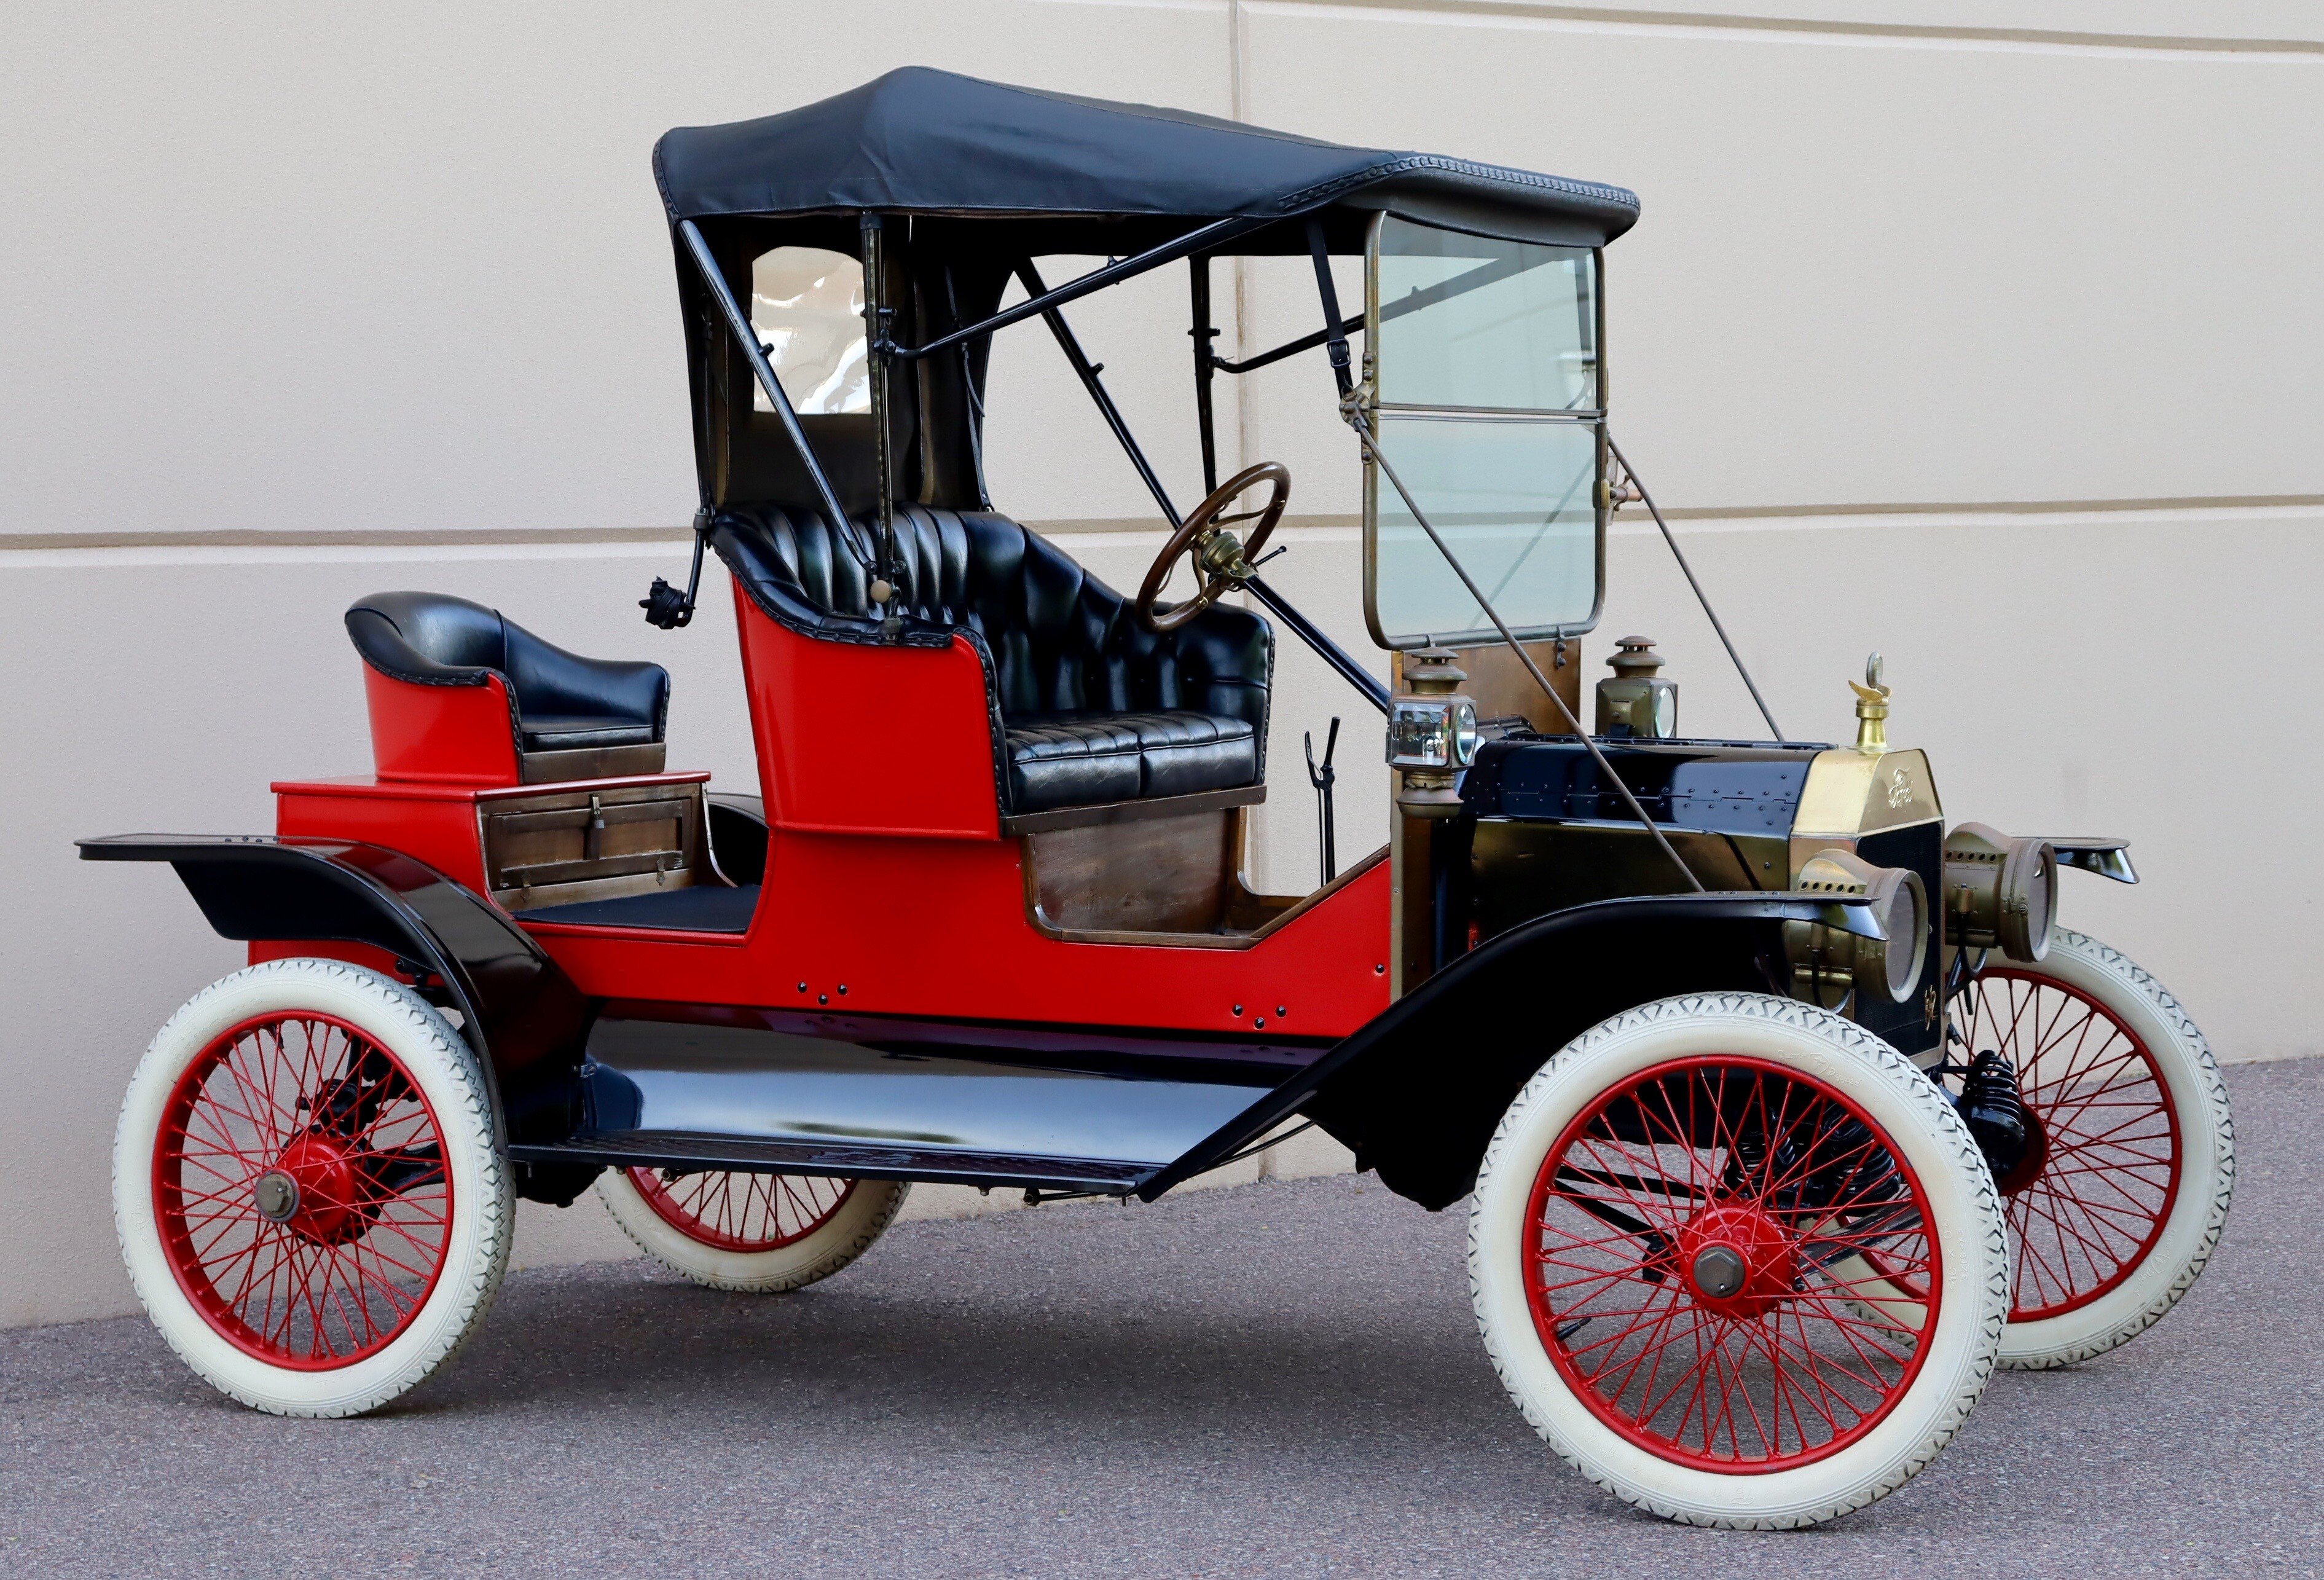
562,701
1088,707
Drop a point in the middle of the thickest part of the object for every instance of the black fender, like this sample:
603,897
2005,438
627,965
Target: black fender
1417,1091
2107,857
518,1010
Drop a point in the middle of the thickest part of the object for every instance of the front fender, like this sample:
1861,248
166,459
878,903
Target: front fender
1417,1091
518,1011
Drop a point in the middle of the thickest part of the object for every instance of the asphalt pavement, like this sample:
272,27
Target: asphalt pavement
1276,1379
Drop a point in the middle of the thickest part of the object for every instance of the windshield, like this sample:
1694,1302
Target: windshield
1483,359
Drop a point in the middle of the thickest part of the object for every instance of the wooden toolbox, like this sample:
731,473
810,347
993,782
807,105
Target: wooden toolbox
569,846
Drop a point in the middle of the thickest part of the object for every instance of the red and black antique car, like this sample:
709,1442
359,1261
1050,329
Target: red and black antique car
1783,1112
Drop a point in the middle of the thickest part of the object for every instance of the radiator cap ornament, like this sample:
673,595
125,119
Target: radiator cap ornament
1871,710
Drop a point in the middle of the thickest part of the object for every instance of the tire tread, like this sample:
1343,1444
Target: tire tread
472,1115
1943,1119
2136,979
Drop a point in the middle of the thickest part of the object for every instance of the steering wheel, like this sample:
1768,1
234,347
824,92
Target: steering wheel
1220,561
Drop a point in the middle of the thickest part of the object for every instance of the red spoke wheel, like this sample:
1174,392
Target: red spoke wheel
300,1185
1684,1230
756,1233
2091,1197
741,1212
2116,1210
306,1187
1669,1249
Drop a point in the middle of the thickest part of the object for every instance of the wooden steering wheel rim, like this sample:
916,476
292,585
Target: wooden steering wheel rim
1191,532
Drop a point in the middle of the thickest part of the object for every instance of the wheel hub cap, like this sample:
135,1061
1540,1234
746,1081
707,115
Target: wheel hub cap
1719,1271
313,1190
277,1195
1739,1260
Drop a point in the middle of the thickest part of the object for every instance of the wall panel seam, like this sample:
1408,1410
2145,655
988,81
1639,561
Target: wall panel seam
650,538
1722,22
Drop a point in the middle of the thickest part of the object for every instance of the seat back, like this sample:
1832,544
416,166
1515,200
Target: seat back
426,633
1055,638
555,714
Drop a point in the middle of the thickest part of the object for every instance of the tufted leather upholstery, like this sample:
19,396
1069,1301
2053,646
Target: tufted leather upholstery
563,702
1088,706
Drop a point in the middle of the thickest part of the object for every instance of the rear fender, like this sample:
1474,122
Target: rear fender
520,1012
1416,1093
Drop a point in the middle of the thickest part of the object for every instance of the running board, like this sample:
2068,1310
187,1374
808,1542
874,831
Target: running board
815,1094
671,1149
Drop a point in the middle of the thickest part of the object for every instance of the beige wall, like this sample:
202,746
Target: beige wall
1985,334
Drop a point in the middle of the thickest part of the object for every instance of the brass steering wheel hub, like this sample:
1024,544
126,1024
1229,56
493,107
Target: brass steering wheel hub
1221,561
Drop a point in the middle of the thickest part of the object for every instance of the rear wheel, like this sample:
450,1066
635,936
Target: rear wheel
1662,1246
306,1190
756,1233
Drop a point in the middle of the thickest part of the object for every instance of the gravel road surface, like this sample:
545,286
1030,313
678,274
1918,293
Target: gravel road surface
1277,1379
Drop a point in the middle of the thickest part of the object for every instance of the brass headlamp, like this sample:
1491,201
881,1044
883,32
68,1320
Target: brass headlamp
1827,965
1432,733
1999,892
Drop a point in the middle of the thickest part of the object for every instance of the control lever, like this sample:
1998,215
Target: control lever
1322,778
664,605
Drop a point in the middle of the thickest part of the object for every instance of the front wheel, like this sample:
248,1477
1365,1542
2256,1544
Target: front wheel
752,1234
2125,1192
1663,1247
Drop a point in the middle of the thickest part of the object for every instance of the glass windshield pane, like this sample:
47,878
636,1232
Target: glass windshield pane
1512,497
1468,320
806,307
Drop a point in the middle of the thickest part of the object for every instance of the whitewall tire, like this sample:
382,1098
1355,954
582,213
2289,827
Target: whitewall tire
751,1233
306,1190
2137,1162
1660,1268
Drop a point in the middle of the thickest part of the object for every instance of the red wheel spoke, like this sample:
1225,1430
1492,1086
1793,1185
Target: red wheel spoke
1785,1174
733,1211
2111,1158
315,1100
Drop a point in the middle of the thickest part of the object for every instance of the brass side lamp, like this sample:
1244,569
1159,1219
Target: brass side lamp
1635,701
1432,733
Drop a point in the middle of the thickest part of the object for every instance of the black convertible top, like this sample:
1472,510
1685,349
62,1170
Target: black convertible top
918,141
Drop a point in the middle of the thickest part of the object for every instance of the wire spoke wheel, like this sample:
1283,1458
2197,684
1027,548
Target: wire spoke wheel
2093,1200
741,1212
301,1190
2124,1188
1670,1252
1689,1236
750,1232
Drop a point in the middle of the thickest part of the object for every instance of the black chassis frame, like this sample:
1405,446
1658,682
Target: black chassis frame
1415,1092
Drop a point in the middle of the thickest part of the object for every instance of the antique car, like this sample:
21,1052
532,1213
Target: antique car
1782,1109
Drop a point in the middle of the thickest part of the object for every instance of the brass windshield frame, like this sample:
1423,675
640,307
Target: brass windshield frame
1367,400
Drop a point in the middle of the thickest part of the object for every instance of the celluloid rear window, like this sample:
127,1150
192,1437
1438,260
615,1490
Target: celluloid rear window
806,307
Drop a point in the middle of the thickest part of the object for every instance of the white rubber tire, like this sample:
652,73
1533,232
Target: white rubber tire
2207,1175
1918,1119
831,1245
484,1204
